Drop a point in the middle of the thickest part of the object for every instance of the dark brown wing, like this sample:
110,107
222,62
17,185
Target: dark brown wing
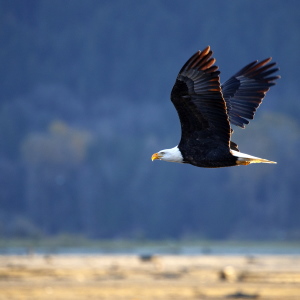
198,100
245,91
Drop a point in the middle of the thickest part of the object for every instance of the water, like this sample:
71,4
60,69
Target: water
156,248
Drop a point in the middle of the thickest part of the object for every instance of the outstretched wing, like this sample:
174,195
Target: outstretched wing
198,99
245,91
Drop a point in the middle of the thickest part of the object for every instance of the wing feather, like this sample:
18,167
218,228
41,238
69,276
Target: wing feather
198,99
245,90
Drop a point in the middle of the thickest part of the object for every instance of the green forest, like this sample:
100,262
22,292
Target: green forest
85,102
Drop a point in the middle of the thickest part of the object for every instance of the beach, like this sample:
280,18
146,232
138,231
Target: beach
149,277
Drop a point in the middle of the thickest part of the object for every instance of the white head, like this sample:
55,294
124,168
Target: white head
171,155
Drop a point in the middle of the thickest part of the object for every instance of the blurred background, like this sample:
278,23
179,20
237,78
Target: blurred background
85,88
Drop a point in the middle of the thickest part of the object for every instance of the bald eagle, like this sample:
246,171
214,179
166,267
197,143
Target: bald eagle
207,110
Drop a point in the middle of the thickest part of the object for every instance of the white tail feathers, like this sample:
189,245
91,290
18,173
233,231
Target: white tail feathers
246,159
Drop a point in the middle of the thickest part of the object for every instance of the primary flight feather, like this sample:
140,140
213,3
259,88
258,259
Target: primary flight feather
206,109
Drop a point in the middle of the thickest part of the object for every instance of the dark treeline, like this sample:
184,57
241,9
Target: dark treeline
85,102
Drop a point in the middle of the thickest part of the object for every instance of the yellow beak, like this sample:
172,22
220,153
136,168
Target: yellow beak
155,156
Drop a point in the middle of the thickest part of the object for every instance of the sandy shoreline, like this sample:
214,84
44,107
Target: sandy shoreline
149,277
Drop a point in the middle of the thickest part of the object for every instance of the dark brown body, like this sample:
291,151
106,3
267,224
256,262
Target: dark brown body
206,152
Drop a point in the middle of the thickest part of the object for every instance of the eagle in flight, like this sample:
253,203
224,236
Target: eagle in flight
207,110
